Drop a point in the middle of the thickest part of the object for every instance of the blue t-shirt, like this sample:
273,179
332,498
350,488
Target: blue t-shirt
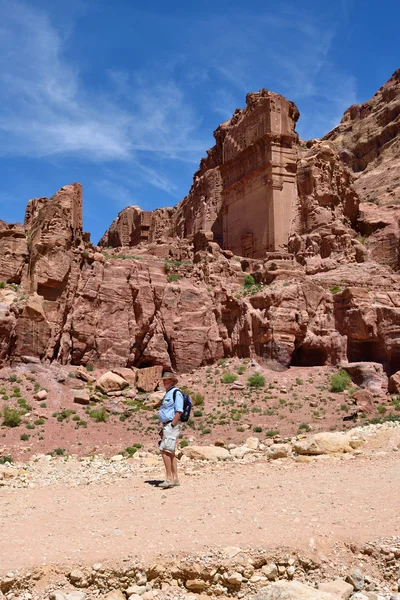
169,407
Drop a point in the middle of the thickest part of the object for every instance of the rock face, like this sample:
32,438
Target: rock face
368,141
13,252
318,293
245,190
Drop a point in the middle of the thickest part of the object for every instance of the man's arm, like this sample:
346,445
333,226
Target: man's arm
178,408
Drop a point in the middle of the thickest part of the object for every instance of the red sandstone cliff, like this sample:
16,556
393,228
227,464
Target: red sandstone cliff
325,267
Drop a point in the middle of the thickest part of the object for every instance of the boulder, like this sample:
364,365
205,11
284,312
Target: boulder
154,400
241,451
364,400
83,374
323,443
41,395
278,451
212,453
293,590
111,382
394,383
128,374
81,397
147,379
369,375
341,588
253,443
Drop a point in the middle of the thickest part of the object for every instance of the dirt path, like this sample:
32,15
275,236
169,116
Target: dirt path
257,505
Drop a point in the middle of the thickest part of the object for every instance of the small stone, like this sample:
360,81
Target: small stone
196,585
356,579
136,589
57,596
115,595
233,578
75,595
270,571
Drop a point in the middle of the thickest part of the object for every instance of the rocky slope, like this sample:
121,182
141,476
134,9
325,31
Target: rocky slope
368,141
330,295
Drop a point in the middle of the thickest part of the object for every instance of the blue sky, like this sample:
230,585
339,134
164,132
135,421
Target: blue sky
123,96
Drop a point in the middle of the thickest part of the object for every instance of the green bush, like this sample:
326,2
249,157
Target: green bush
59,451
256,381
241,369
272,432
12,378
173,277
130,451
303,427
228,377
5,459
24,437
183,444
2,285
335,289
100,415
249,280
197,399
257,429
11,417
89,368
198,413
340,381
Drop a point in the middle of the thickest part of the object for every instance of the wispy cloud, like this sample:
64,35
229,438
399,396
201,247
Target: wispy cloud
289,54
46,109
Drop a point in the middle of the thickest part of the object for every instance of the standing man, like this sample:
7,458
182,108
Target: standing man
169,415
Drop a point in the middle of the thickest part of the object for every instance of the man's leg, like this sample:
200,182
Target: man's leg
167,458
174,467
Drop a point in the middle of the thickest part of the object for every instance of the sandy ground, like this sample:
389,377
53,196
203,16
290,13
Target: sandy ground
247,505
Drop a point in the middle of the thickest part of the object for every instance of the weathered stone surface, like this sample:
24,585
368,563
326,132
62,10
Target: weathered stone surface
278,451
367,140
128,374
338,587
394,383
111,382
369,375
212,453
252,163
293,590
81,397
147,379
13,252
323,443
154,400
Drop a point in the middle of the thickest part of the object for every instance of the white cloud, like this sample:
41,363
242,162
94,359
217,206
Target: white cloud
46,110
289,54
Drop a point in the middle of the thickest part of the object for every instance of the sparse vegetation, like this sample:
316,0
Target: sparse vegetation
173,277
256,381
11,417
2,285
340,381
335,289
100,415
228,377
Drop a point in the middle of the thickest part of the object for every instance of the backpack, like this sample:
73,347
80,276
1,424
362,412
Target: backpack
187,406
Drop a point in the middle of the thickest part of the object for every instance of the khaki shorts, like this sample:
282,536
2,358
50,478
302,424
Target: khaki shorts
170,437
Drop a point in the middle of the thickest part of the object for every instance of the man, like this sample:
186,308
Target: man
169,415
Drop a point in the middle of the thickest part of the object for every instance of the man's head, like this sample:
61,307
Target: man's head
169,379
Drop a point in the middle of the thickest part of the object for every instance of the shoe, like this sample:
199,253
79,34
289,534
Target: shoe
166,484
175,483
